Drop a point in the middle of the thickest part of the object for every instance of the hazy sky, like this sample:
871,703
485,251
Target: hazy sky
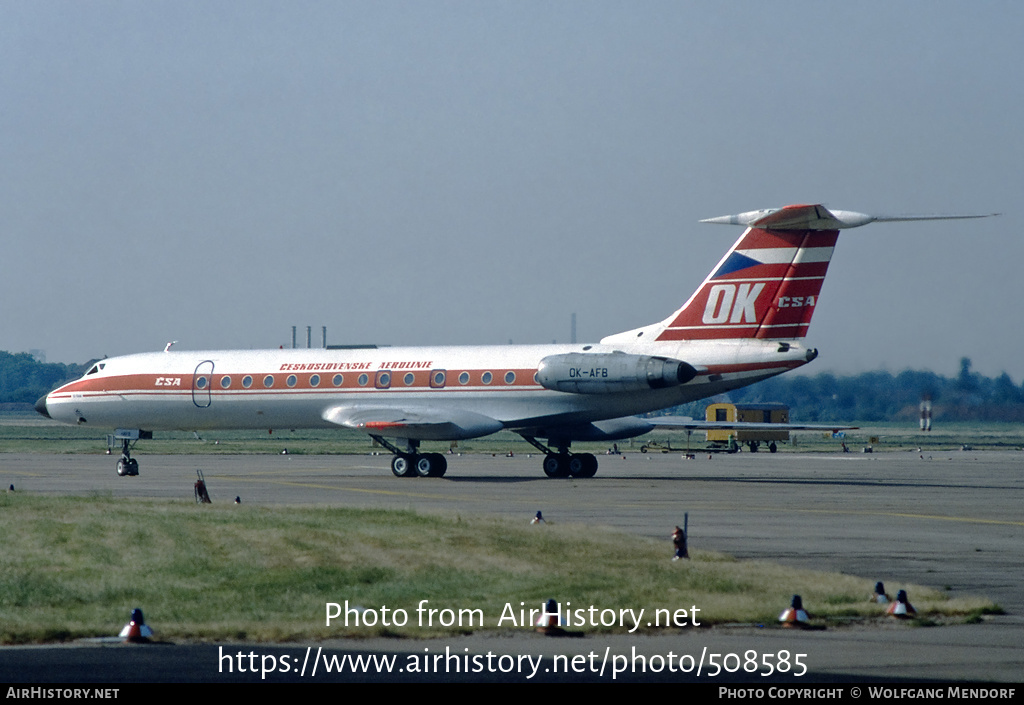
474,172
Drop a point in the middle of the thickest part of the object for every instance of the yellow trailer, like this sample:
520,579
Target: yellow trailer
748,413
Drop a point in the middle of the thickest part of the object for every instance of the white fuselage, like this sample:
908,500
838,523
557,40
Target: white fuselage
299,388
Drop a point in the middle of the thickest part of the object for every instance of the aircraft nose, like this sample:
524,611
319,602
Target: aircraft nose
41,406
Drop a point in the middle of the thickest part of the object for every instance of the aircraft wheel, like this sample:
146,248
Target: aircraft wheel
589,465
555,466
133,467
772,448
402,466
440,465
582,465
122,468
424,464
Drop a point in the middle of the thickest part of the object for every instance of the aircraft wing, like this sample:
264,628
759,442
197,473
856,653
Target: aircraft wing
421,424
633,426
688,424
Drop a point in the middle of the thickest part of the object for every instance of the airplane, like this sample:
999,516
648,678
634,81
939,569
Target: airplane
745,323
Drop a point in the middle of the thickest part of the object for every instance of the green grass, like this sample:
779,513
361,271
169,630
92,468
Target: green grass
74,567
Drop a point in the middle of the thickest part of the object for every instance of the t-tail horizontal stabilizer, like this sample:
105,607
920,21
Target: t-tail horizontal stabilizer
817,217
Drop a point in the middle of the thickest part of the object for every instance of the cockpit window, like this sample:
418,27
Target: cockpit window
94,370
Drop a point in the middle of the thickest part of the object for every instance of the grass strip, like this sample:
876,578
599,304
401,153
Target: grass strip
74,567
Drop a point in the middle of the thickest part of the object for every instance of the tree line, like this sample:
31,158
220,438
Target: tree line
882,396
23,379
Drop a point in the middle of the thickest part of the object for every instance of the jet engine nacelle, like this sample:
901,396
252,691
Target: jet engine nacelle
608,373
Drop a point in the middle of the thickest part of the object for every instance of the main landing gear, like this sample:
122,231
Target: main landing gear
411,463
563,463
419,465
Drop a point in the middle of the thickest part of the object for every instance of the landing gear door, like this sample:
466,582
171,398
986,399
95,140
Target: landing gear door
202,380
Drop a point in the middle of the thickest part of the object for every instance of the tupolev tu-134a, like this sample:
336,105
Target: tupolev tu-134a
745,323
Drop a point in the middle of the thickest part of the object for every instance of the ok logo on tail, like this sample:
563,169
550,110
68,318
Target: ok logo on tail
726,302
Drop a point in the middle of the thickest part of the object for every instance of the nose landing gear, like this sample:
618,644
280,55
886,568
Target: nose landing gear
127,466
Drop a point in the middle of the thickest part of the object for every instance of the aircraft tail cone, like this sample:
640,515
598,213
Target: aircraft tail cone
794,615
901,608
136,631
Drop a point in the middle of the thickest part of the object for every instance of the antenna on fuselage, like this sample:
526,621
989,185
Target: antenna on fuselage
168,346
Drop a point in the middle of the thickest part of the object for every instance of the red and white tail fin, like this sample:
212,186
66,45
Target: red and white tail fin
768,283
766,286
